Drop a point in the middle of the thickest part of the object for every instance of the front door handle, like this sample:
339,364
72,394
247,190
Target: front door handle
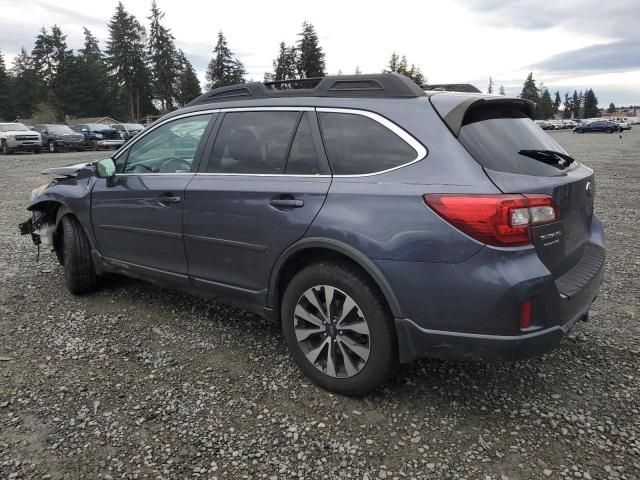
168,199
286,203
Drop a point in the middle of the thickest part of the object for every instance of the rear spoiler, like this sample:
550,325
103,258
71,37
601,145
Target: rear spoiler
452,108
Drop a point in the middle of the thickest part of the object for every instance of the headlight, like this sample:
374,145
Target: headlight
11,136
99,136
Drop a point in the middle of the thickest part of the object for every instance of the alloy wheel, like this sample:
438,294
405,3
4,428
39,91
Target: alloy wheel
332,331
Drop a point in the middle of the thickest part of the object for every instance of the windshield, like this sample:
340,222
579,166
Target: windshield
506,140
59,129
133,126
13,127
97,126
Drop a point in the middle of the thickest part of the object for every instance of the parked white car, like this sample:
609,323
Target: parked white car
17,137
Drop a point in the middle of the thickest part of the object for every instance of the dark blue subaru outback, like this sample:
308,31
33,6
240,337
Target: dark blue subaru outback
378,222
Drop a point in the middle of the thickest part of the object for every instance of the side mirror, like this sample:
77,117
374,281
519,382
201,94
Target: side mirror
106,168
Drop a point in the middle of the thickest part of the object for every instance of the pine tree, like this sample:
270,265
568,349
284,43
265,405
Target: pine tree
93,90
28,87
567,112
357,71
224,68
162,60
590,105
501,91
5,91
400,65
545,107
188,85
556,103
127,61
490,86
285,66
311,61
530,90
576,104
49,52
612,108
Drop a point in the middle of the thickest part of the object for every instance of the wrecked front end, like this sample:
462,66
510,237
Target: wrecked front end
68,192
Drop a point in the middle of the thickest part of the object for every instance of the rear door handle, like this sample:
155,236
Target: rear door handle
286,203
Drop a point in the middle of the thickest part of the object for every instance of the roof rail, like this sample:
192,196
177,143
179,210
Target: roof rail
381,85
452,87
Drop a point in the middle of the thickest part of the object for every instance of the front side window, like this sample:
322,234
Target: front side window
253,142
358,145
169,148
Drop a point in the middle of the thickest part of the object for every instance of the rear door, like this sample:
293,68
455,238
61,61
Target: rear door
520,158
263,183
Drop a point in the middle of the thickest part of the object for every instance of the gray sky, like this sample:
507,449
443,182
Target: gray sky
568,44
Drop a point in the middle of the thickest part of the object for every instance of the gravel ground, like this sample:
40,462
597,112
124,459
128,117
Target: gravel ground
139,382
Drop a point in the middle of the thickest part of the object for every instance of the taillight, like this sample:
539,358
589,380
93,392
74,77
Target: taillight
500,220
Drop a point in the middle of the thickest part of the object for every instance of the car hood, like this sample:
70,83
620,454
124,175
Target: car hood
68,171
22,132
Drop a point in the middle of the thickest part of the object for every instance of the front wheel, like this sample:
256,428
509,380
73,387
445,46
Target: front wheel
338,329
79,272
5,149
52,147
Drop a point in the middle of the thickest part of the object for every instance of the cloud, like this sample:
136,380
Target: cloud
622,55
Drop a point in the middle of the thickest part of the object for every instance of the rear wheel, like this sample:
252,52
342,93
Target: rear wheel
76,255
338,329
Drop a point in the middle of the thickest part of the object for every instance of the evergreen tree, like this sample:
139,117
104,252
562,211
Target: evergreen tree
590,105
501,91
400,65
285,66
530,90
545,107
576,104
567,112
5,92
188,85
162,60
311,62
357,71
93,90
612,108
490,86
49,53
27,85
224,68
127,62
556,103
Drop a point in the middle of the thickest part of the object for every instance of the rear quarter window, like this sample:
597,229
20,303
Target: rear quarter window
356,144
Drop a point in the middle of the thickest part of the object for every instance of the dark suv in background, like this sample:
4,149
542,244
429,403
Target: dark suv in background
378,222
128,130
57,137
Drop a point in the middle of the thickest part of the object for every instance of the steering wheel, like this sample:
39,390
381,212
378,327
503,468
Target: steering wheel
180,162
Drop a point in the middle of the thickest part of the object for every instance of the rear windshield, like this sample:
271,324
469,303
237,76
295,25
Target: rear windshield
503,138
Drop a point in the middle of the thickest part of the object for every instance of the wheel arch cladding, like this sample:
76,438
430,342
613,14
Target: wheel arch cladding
313,250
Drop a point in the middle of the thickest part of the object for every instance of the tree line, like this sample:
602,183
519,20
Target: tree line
140,71
577,105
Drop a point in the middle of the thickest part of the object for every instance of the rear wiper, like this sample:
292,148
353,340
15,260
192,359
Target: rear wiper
550,157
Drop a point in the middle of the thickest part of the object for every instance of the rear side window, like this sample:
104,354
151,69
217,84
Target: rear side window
504,139
253,142
357,145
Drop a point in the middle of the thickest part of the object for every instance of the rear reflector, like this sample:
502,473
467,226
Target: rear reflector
525,315
500,220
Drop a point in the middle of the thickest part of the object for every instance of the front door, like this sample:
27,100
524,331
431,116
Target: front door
256,194
137,216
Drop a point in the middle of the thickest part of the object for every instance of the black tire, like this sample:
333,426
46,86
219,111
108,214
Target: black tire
6,150
94,145
52,147
383,353
78,267
37,150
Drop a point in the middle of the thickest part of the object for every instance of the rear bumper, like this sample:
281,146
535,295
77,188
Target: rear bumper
565,305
